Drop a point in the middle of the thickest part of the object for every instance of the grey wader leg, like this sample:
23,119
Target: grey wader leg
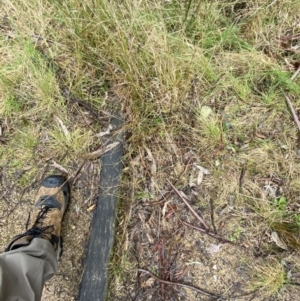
24,271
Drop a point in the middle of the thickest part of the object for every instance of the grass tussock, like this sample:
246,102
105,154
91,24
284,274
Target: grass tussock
198,82
270,277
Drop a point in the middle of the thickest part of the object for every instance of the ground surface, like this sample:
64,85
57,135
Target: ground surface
201,86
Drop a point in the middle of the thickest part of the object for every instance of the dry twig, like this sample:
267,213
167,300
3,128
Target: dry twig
212,218
294,114
73,179
199,290
242,176
216,236
289,102
60,168
295,74
189,206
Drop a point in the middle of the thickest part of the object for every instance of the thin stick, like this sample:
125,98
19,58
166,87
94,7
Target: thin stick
189,206
289,102
211,234
164,197
242,176
291,37
294,114
199,290
295,74
292,283
69,96
72,179
212,218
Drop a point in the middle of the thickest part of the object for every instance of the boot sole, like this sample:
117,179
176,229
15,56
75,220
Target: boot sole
58,181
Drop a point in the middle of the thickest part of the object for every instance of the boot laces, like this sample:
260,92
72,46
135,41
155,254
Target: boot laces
36,231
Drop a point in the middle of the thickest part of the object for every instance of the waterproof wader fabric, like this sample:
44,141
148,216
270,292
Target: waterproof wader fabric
24,271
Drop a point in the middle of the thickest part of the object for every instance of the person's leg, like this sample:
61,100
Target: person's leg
31,257
24,271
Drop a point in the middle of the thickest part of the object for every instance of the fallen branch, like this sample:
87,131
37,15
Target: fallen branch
189,206
199,290
294,114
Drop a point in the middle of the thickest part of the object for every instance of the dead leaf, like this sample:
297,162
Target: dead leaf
26,168
147,229
270,190
64,128
213,248
164,209
91,208
204,170
200,177
152,160
148,282
106,132
191,181
258,135
278,241
99,152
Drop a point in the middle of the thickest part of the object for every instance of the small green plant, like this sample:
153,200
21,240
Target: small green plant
11,105
280,204
286,224
297,219
142,195
236,235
